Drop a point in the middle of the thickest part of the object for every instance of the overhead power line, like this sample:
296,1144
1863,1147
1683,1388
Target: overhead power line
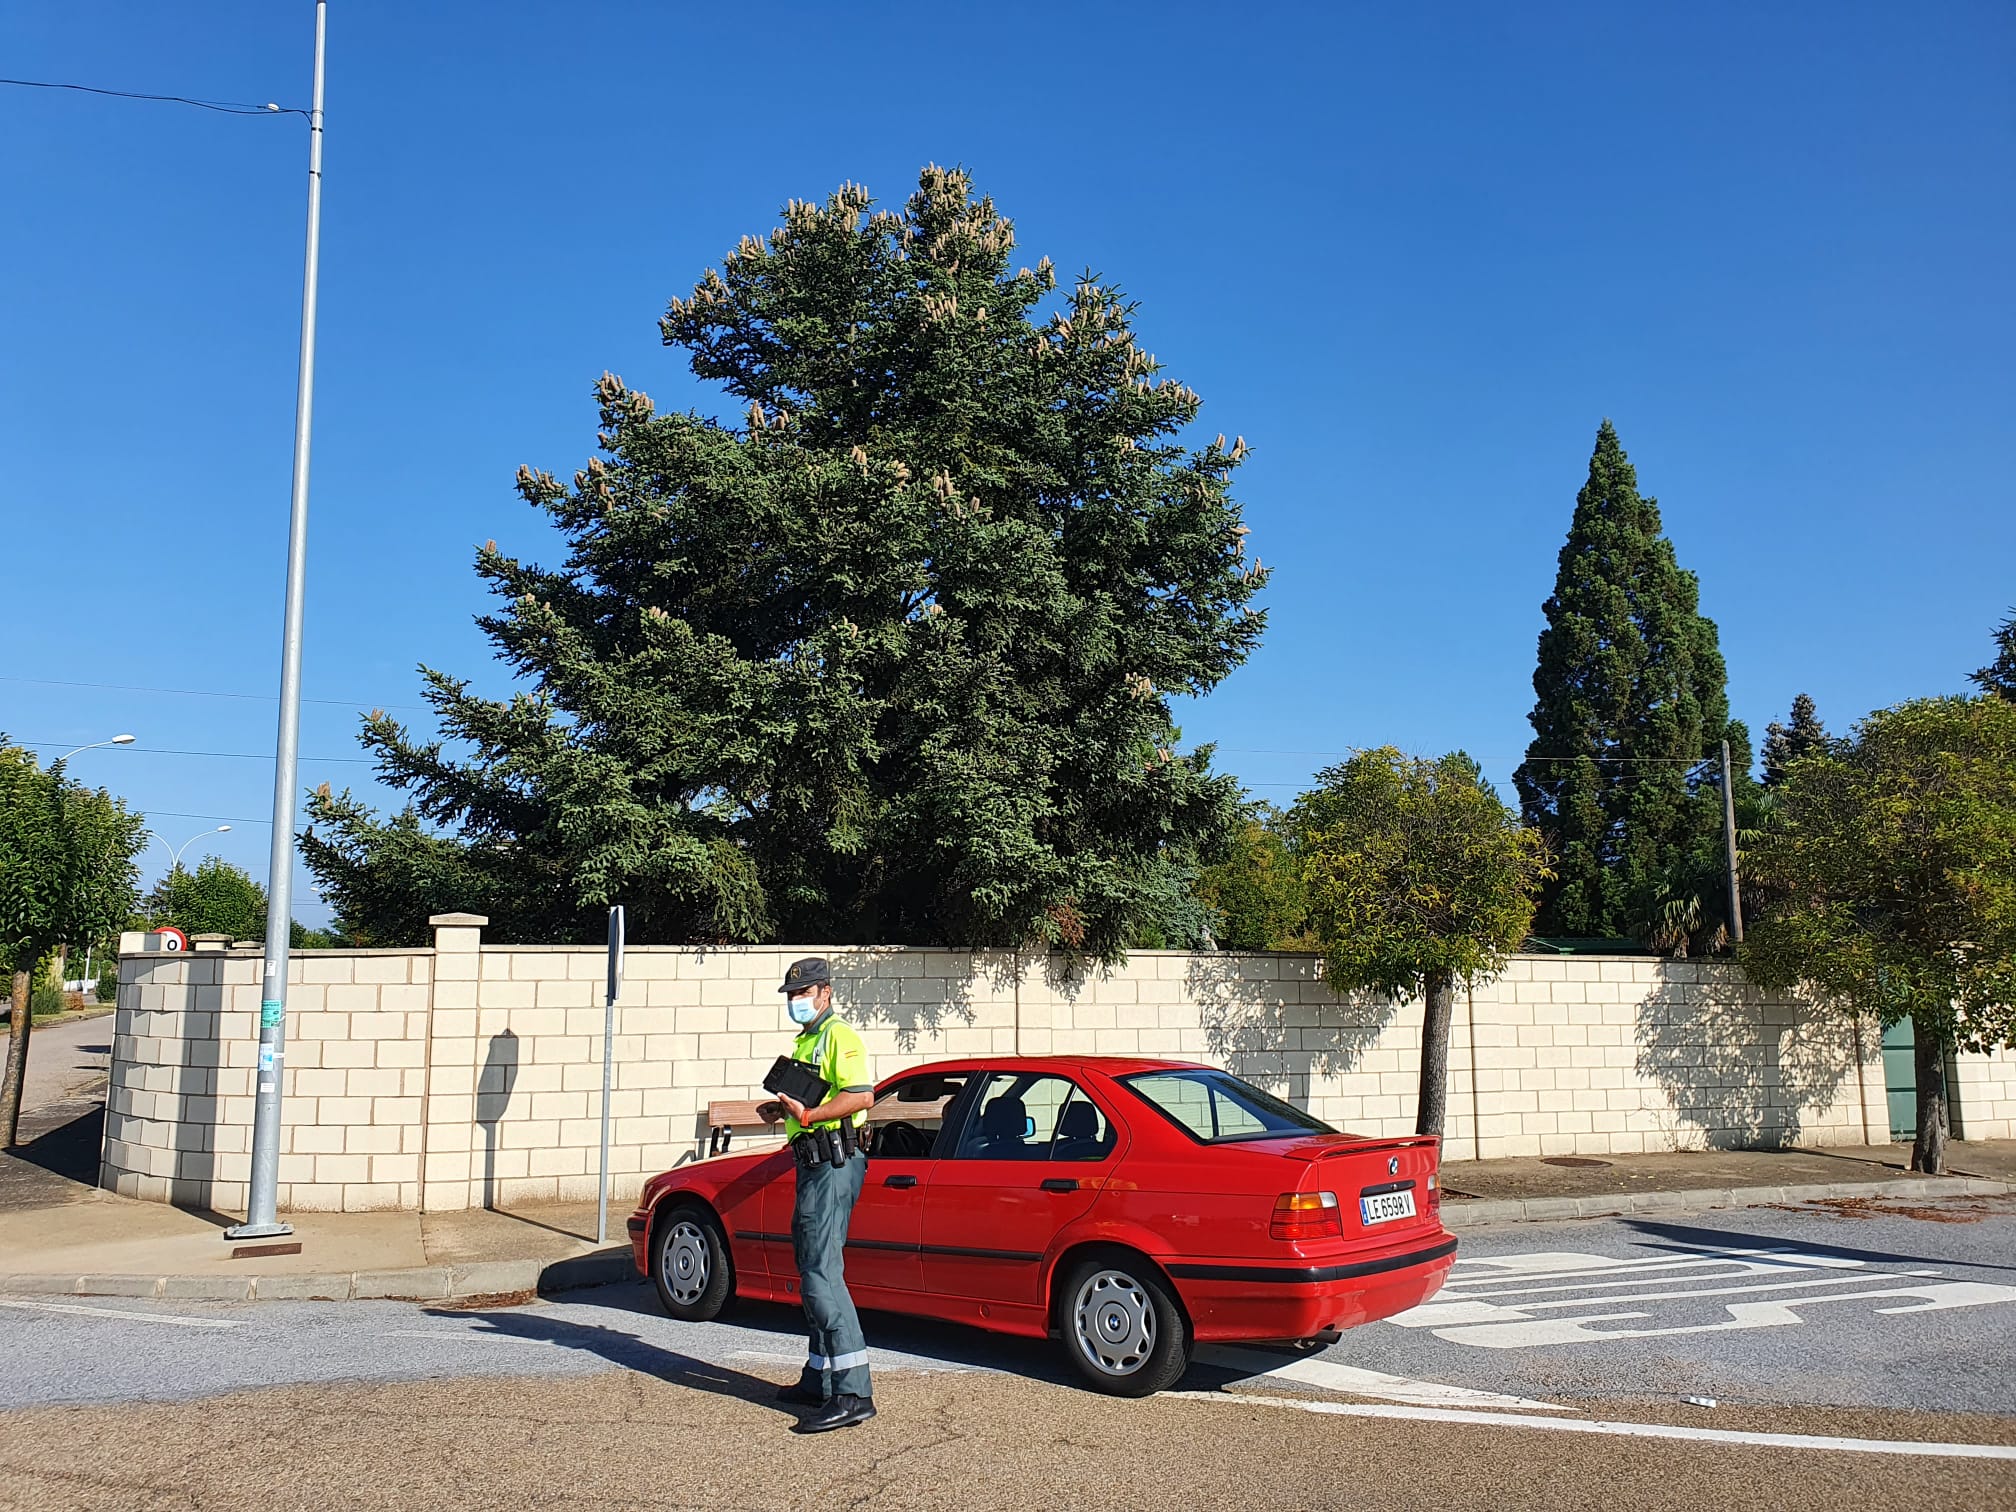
233,755
224,107
337,703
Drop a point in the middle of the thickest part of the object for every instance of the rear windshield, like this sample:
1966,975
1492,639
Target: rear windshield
1215,1107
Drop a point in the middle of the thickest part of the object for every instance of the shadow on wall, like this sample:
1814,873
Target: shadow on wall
916,1007
493,1096
1742,1069
200,1059
1257,1027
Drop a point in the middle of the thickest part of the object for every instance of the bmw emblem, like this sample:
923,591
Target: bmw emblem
1393,1165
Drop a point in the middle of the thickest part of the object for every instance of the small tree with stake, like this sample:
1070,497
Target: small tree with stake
1419,879
66,874
1893,862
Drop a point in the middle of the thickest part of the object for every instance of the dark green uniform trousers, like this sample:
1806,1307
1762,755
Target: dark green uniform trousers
836,1355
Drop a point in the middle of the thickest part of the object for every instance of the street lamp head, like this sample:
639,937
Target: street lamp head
223,829
122,740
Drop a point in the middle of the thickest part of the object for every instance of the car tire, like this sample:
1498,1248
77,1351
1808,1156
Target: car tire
1121,1327
690,1264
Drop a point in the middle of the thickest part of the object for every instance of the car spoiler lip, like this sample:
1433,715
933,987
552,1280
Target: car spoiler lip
1305,1275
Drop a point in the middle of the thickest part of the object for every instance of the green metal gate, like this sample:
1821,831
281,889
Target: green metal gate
1900,1079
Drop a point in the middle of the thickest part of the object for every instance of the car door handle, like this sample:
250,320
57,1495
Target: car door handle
1060,1184
899,1181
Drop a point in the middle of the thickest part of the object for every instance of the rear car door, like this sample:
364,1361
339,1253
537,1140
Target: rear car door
1032,1156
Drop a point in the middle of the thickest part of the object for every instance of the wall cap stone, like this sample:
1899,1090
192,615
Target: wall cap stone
458,921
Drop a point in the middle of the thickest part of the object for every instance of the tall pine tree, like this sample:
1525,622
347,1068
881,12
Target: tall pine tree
1998,678
1784,744
1630,695
888,659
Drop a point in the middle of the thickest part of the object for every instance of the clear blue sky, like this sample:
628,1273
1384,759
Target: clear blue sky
1414,254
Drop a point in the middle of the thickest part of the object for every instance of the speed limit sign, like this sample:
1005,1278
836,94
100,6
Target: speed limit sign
170,938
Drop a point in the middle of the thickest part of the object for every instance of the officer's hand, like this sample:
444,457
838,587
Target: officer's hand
792,1106
770,1112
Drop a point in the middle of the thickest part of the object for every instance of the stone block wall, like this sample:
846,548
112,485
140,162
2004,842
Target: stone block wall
470,1074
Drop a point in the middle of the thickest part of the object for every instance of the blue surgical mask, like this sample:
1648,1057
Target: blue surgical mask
802,1009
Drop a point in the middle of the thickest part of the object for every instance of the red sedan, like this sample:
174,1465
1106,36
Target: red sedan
1128,1208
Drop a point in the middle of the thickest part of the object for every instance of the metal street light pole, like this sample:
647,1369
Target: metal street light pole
262,1205
115,740
175,860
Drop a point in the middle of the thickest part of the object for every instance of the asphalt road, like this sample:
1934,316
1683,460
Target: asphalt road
1868,1343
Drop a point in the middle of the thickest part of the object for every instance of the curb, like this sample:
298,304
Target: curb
1479,1214
420,1283
500,1278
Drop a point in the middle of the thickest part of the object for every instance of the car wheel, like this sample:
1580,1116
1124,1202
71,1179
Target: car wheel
689,1264
1122,1329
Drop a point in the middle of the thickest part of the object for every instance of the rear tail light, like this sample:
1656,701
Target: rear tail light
1434,1198
1306,1215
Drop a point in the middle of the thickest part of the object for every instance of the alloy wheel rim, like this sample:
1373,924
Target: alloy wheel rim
686,1262
1115,1322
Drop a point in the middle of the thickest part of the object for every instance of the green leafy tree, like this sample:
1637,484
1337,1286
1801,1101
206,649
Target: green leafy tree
888,659
215,898
1630,695
1894,866
1420,879
1999,676
66,875
1255,893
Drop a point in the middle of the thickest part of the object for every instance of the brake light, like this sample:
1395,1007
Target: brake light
1434,1198
1306,1215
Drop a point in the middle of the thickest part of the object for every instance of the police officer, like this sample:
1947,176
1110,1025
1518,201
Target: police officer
831,1168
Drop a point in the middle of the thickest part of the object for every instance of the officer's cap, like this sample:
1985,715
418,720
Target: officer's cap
810,972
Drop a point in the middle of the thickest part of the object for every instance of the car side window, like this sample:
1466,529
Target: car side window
1026,1116
906,1120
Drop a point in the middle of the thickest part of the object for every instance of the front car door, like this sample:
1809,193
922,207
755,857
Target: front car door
1032,1155
904,1124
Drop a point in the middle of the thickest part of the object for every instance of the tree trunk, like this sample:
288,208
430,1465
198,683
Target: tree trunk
1434,1098
19,1020
1929,1054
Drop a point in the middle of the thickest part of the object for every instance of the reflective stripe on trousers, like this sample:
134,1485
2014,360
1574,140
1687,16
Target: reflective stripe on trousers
836,1353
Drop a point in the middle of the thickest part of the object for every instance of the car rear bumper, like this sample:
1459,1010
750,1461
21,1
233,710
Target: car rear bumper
1244,1299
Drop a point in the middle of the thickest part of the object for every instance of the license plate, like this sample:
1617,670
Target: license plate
1385,1207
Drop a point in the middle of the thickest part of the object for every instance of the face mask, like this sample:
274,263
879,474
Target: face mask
802,1009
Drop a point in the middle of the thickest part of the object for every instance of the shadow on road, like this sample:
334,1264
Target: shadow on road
624,1349
1684,1238
949,1344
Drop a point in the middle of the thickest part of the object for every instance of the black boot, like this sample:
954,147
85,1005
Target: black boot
842,1412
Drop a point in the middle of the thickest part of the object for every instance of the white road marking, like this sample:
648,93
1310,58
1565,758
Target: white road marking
1328,1375
1491,1303
1620,1430
129,1317
486,1334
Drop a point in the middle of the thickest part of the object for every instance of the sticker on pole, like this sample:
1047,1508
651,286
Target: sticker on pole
271,1014
171,939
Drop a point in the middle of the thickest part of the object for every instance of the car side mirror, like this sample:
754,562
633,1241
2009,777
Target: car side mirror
1028,1128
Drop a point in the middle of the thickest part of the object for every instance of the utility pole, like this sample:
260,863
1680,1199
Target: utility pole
608,1063
1729,845
262,1207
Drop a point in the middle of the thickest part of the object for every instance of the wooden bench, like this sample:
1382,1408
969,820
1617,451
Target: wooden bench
724,1118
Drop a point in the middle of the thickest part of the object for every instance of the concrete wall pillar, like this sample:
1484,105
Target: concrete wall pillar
448,1102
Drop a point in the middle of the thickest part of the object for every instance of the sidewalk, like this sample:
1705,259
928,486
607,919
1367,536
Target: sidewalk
92,1243
1535,1189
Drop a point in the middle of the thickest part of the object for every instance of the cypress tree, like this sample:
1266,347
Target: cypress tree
1630,694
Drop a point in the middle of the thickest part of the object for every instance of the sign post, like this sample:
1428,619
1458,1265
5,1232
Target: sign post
608,1063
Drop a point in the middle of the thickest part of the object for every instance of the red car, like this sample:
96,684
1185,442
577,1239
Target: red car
1129,1208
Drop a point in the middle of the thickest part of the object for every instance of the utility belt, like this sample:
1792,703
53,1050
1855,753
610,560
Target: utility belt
817,1147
